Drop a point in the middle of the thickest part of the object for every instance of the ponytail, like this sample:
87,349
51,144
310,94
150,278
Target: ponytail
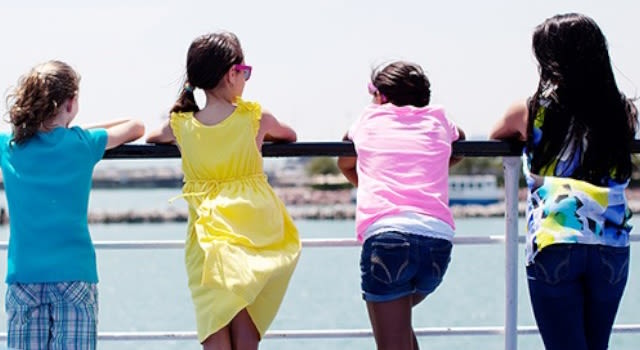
209,58
186,100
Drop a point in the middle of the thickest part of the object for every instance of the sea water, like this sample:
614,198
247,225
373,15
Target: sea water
146,290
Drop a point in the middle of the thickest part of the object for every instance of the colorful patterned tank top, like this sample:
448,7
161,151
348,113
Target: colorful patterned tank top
565,210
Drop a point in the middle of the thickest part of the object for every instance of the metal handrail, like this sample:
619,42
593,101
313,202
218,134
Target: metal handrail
306,243
338,333
479,148
314,149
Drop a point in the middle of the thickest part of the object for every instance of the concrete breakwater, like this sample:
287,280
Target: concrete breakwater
302,203
136,216
336,211
306,212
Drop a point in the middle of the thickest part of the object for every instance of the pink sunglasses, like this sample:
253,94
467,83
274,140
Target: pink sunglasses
373,90
246,70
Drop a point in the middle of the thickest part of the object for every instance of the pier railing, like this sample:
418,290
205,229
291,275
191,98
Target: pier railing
509,151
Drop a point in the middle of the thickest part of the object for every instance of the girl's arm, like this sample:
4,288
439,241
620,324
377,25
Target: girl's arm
164,134
271,129
461,137
347,166
513,125
120,131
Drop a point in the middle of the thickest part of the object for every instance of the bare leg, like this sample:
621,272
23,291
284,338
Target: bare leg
416,299
244,334
220,340
391,323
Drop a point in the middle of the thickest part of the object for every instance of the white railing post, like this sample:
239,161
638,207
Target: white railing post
511,167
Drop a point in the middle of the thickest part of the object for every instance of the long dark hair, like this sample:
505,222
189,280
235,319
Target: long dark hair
39,96
403,83
209,58
581,102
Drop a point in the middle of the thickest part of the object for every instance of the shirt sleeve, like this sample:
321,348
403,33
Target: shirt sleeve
5,138
97,142
453,129
175,120
354,128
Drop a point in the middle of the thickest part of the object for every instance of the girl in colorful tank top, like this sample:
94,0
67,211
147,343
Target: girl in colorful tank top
578,129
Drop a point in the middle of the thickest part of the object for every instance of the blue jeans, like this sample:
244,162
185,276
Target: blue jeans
575,291
394,265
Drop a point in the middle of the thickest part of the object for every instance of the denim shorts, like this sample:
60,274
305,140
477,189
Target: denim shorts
394,265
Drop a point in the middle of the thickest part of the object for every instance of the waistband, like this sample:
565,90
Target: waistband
214,183
228,180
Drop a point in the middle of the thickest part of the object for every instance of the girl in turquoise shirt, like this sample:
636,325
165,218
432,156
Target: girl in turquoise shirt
51,299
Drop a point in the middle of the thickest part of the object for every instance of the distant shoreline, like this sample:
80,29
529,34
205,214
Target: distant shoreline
309,204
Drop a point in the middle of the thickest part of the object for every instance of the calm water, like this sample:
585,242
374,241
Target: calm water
146,290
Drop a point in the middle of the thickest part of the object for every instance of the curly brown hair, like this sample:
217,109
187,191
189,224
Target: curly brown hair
38,97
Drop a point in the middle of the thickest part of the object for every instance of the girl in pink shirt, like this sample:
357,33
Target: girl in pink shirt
401,172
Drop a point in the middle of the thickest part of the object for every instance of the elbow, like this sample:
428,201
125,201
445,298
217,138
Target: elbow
340,164
345,164
455,160
155,138
137,129
496,134
151,139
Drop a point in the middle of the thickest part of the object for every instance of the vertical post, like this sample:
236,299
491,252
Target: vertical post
511,166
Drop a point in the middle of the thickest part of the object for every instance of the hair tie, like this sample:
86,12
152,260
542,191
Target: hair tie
188,87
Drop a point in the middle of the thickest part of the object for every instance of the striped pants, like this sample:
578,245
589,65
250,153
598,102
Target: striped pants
52,316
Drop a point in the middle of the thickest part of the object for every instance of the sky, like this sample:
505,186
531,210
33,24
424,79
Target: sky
311,59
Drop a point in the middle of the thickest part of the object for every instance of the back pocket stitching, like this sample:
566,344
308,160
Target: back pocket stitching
376,260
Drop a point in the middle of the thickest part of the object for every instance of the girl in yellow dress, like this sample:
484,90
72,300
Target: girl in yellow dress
241,245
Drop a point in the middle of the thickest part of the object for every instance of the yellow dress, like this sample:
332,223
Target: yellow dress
241,246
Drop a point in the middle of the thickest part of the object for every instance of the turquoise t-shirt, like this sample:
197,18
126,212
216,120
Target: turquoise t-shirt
47,181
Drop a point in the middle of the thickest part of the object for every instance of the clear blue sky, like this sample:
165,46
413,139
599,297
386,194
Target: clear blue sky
312,59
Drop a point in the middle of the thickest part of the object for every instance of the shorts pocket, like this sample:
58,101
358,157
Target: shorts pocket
389,257
615,263
552,264
78,293
23,295
440,258
21,303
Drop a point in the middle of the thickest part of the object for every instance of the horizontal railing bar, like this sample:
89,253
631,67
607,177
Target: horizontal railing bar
297,149
484,148
307,243
338,333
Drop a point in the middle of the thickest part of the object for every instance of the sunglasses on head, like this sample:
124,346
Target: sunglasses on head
246,70
373,90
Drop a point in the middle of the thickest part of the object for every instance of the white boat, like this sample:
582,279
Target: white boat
473,189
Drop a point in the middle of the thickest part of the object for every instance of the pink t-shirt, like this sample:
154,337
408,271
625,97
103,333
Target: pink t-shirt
403,162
